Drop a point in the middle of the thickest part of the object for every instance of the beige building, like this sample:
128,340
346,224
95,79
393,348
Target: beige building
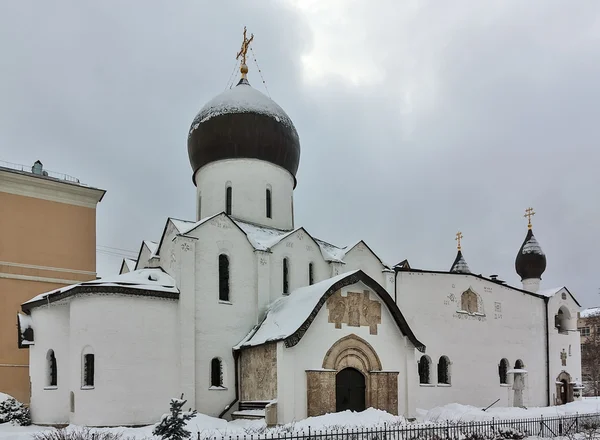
47,240
587,324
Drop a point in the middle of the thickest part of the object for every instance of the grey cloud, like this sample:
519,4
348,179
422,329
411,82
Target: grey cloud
483,111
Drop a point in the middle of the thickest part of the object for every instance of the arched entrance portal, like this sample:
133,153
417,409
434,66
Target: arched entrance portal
564,388
350,390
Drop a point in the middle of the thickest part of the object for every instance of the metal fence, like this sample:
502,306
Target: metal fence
514,429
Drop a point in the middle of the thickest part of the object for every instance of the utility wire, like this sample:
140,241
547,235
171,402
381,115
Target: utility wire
230,81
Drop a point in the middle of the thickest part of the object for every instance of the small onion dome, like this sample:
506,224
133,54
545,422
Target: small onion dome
460,264
243,123
530,261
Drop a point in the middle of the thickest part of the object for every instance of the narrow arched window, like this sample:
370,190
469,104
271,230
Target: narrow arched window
52,380
311,278
503,371
268,203
216,373
424,370
286,269
223,278
228,200
444,370
519,364
88,369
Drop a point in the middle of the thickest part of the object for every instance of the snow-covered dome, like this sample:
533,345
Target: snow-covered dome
243,123
531,260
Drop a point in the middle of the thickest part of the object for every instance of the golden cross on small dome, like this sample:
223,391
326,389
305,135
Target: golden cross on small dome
529,212
243,51
459,236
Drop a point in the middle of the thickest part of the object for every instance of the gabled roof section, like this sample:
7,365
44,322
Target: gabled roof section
142,282
548,293
178,224
151,247
127,265
289,317
403,265
192,226
348,249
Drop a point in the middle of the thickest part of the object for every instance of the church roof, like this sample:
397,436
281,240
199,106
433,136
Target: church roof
289,317
264,238
531,260
243,123
460,264
144,282
553,291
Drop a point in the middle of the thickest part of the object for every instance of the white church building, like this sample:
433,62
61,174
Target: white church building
243,310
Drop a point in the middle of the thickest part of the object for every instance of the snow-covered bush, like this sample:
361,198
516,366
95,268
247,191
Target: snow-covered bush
79,433
15,412
172,426
509,434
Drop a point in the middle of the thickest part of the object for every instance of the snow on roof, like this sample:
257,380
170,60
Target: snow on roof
549,292
187,227
262,237
241,99
286,314
143,279
460,264
532,246
588,313
181,225
130,263
152,246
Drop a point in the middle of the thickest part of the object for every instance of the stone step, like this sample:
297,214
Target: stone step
253,405
249,414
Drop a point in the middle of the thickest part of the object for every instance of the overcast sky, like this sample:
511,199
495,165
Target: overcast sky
416,118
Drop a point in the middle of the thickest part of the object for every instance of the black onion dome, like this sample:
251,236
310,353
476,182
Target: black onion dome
243,123
460,264
530,261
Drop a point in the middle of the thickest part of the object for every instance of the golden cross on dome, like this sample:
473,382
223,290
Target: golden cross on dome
459,236
243,51
529,212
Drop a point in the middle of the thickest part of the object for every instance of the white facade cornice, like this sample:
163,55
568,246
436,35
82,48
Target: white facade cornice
30,185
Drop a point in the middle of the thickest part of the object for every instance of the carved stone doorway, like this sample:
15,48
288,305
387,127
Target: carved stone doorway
564,388
350,390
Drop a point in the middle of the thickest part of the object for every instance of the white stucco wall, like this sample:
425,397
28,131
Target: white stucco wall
221,325
249,179
361,257
569,341
51,323
132,338
136,357
513,328
292,363
300,250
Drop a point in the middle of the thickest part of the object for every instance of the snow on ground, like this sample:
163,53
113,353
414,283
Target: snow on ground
213,427
457,412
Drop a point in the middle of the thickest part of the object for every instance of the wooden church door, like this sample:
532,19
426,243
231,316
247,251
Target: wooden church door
350,390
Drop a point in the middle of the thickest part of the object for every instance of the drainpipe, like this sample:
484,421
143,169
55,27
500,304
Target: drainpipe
546,299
